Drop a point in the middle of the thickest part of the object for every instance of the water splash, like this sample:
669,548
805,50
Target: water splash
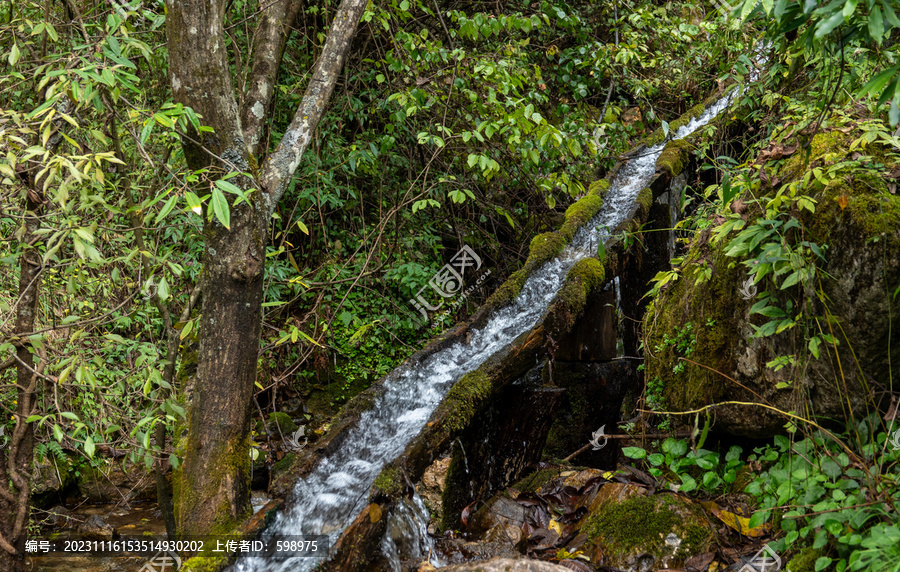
336,490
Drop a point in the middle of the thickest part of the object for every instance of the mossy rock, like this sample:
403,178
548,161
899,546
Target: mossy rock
389,482
857,224
585,277
536,480
579,214
206,564
464,399
674,157
668,527
805,560
599,188
281,424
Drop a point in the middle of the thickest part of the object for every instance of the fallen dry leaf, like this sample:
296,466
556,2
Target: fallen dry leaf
736,522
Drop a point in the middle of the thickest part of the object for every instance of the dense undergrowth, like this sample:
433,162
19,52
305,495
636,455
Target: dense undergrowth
794,191
477,126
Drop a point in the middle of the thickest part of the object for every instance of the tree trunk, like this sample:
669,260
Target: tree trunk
18,449
211,487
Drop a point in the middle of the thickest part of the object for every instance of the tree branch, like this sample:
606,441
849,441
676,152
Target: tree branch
280,166
268,49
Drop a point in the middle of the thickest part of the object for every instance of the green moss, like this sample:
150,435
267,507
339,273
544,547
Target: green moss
580,214
464,399
583,278
821,146
455,495
642,523
536,480
389,482
283,465
645,199
659,136
586,275
508,291
873,210
805,560
544,247
872,206
674,157
282,423
713,306
206,563
599,187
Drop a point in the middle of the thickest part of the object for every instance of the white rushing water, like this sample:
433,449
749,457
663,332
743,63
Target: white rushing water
336,491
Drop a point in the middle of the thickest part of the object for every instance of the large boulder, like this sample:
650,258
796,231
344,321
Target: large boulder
699,333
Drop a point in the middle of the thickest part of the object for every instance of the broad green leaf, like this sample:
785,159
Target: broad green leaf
876,25
89,446
162,290
186,330
167,208
826,26
220,208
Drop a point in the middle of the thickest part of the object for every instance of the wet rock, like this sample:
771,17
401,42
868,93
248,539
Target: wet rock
96,528
493,452
710,317
507,565
458,551
645,532
58,517
112,483
50,478
431,488
506,533
500,510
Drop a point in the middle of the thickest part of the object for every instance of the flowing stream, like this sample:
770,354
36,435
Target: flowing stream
336,490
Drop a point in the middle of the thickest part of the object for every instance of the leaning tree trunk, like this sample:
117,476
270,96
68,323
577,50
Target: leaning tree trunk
211,487
18,448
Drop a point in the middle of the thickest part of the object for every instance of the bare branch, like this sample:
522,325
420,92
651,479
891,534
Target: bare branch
280,166
268,49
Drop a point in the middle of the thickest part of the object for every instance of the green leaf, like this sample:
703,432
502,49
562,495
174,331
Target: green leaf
826,26
70,416
889,14
302,227
822,563
186,330
162,290
89,446
193,202
58,433
167,208
220,207
759,518
634,452
876,25
14,54
145,132
814,346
